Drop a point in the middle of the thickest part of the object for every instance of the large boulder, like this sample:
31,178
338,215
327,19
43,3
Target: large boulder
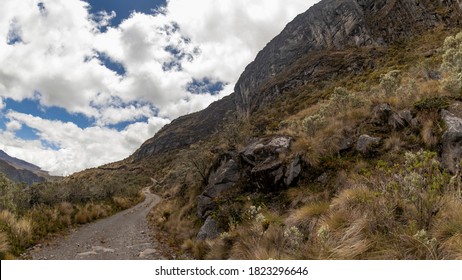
268,172
451,153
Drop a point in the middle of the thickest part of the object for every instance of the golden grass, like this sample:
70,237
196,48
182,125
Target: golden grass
307,216
271,244
7,217
393,143
121,202
427,133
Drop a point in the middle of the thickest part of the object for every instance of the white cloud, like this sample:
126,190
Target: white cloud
78,148
59,53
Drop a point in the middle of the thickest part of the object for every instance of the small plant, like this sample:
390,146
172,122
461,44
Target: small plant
390,81
452,64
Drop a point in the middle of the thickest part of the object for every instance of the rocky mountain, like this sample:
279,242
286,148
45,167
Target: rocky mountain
318,45
19,170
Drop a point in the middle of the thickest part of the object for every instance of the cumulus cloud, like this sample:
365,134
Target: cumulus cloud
78,148
57,52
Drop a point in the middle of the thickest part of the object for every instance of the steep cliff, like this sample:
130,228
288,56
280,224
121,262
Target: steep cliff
333,25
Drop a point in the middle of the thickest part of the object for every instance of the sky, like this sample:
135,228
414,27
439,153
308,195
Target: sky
85,83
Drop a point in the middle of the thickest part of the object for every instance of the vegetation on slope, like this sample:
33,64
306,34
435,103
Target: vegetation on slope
396,202
30,214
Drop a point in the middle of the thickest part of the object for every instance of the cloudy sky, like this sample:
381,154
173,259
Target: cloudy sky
83,83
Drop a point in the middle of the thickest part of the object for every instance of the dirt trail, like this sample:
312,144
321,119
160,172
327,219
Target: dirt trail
123,236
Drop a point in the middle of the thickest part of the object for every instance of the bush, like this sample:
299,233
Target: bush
390,81
452,64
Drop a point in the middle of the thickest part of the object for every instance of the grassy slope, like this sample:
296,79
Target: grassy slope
397,203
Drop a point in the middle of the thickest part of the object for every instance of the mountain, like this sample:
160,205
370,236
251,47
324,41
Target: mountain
318,45
19,170
342,140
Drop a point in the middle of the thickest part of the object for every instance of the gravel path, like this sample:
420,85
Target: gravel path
123,236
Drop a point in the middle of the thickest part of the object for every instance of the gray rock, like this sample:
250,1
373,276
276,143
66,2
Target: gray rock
293,171
451,141
209,230
366,144
385,117
205,204
262,150
221,180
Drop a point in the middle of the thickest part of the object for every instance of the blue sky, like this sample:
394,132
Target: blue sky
124,8
83,86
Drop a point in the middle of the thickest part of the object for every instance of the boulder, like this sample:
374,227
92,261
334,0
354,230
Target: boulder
367,145
209,230
451,141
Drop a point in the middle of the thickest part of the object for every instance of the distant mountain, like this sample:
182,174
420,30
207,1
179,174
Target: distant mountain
19,170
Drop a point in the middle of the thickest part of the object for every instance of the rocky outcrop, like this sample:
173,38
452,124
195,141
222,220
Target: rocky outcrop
367,145
332,26
451,141
221,180
384,117
258,166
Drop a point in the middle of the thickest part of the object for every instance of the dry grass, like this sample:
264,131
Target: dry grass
428,133
252,245
4,245
65,208
7,217
121,202
393,143
310,149
307,217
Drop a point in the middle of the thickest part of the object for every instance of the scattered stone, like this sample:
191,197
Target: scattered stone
209,230
451,142
322,179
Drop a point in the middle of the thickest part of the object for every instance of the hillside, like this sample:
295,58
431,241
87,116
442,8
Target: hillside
20,171
342,140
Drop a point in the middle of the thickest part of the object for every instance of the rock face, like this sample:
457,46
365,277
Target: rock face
187,130
221,180
451,142
337,25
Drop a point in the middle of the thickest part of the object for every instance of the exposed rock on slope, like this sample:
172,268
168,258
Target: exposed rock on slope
187,130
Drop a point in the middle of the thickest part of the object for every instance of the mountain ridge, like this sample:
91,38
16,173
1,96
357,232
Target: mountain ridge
21,171
329,27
